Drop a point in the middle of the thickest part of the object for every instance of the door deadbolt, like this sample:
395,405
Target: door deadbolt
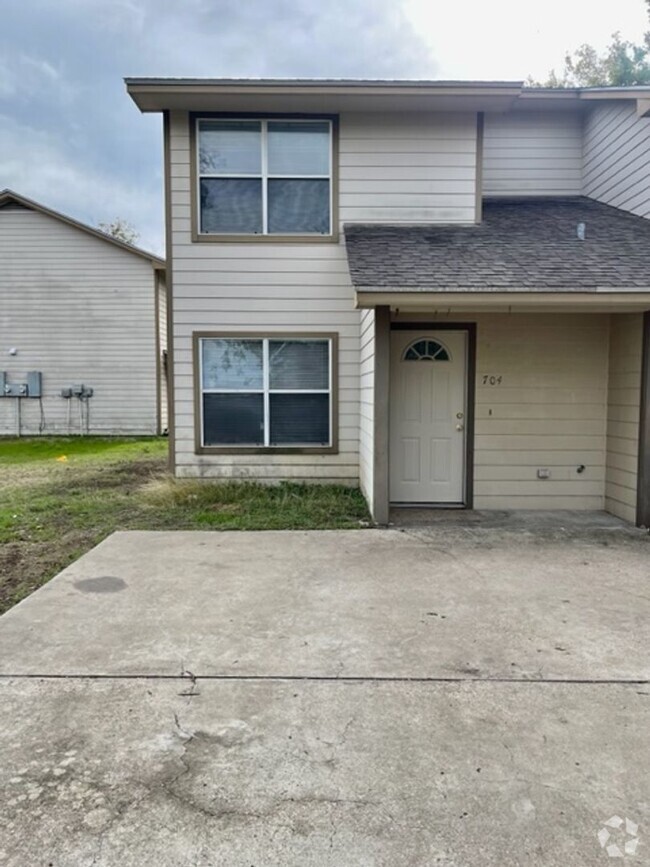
459,415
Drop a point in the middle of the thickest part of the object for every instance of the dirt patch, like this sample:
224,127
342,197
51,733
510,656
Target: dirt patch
57,513
25,566
126,476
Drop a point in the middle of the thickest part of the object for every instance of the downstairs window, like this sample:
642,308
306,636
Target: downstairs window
266,392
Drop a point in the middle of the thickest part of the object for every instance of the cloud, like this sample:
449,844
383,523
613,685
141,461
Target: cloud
72,138
41,167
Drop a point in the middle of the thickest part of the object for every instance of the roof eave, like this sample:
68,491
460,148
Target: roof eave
197,94
160,94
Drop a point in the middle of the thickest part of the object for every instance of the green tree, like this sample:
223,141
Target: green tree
623,64
120,229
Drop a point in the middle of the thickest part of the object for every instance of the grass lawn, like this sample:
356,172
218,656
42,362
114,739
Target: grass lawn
61,496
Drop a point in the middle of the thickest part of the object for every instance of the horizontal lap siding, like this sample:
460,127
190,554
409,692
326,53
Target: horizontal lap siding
532,154
80,311
407,168
548,412
625,358
258,288
617,158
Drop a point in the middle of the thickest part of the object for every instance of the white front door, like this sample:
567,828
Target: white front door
428,416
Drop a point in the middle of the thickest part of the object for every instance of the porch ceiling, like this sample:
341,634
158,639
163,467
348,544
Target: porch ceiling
522,252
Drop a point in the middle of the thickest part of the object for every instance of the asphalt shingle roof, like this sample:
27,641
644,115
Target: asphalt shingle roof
522,244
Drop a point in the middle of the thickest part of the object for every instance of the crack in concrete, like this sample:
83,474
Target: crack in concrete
169,787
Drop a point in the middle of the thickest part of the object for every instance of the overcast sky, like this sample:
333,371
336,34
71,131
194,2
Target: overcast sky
71,138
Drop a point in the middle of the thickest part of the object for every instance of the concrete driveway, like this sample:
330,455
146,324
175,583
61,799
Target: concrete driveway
472,691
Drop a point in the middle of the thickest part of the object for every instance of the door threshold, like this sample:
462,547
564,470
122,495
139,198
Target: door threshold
428,506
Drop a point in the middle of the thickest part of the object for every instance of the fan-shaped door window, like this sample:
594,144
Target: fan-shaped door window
426,350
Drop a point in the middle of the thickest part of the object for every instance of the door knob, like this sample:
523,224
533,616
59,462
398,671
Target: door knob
460,427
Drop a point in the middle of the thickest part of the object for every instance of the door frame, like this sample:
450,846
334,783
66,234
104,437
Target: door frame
470,329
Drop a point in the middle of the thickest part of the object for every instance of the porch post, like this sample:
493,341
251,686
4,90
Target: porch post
643,475
380,504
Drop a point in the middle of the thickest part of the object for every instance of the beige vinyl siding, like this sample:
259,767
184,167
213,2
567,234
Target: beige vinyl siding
532,153
80,310
617,157
367,403
258,287
162,349
625,359
548,412
407,167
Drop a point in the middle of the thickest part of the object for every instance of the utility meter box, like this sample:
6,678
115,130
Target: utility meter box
34,384
31,388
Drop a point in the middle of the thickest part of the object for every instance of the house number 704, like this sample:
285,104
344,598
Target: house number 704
492,380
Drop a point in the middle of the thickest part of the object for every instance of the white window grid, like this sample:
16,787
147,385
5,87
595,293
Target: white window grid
265,175
267,391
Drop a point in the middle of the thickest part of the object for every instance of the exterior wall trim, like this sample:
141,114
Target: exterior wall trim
169,283
333,449
199,238
380,506
156,313
643,472
470,328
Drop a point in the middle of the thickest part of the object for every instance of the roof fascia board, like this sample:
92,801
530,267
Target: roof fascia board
638,299
324,85
550,93
151,96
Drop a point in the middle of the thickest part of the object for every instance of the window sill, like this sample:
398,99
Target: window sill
264,450
265,239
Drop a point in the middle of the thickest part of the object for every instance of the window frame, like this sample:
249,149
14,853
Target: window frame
264,238
199,336
412,346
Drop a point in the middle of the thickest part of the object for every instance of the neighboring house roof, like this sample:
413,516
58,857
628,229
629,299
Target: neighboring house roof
521,245
8,197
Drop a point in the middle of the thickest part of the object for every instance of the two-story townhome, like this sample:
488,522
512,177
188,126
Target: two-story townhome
436,290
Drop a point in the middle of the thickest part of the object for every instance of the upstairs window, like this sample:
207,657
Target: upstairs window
264,177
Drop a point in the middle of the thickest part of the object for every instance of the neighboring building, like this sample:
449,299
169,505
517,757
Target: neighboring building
81,309
437,290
